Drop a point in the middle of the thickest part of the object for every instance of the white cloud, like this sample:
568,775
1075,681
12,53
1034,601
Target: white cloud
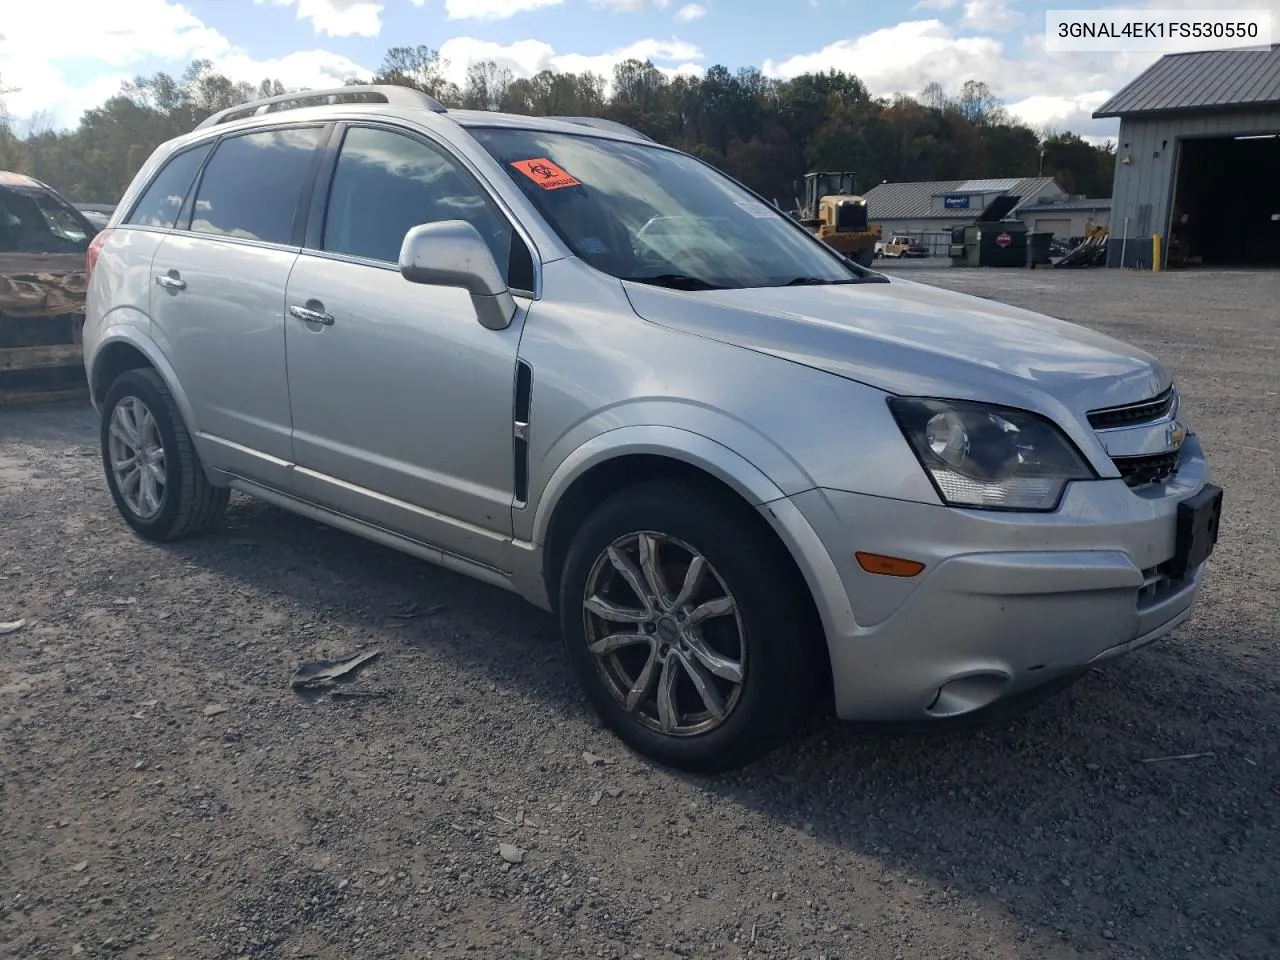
339,18
906,57
900,59
490,9
302,68
114,37
116,33
935,4
630,6
524,58
690,12
993,15
1046,111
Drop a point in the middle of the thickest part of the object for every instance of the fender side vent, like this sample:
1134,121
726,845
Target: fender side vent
520,431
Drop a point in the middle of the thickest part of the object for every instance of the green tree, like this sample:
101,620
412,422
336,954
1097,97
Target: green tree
422,68
1078,165
764,132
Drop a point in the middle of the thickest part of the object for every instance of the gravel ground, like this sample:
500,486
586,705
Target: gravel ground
163,793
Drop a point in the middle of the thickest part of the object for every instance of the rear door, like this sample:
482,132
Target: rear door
217,297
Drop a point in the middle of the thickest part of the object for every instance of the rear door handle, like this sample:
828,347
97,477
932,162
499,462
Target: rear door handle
170,281
311,316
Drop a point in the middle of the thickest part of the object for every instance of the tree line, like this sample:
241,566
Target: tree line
765,132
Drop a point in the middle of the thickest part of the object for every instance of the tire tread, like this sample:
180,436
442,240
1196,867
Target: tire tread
790,690
200,503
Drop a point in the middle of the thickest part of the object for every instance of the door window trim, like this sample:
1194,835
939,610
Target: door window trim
301,211
123,223
322,185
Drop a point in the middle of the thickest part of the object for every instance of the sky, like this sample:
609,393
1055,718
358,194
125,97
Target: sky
60,57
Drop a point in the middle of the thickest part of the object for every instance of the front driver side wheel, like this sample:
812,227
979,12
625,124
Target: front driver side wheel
687,627
154,474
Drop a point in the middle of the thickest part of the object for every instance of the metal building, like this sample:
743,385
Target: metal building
1198,161
927,210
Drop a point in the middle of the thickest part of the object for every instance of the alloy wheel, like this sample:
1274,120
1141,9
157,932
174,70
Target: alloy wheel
665,634
137,456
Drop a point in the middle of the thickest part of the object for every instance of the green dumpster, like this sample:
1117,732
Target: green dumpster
1038,248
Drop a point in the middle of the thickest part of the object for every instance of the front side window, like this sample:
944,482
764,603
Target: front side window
639,212
252,184
161,202
33,220
386,183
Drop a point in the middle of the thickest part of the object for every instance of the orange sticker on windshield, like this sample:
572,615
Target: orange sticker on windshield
545,174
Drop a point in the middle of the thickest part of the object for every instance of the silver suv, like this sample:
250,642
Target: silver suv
744,472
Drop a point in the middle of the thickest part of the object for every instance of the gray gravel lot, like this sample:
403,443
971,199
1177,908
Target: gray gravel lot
163,793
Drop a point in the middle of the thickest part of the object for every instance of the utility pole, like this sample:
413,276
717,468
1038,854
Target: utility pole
4,109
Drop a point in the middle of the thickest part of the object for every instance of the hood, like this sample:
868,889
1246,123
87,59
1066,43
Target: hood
911,339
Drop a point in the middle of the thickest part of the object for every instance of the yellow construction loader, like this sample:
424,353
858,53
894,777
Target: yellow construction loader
838,216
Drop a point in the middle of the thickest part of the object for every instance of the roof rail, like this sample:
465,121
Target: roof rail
366,93
601,124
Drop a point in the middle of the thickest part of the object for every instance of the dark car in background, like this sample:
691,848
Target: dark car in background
43,240
96,213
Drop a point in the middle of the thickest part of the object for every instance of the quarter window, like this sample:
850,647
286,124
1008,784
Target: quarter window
252,185
386,183
162,200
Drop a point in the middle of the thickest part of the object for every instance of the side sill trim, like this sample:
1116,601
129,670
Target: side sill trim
369,531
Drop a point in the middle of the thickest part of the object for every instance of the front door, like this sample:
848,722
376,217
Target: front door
401,400
218,296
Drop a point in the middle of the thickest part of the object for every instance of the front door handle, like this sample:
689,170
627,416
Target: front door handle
171,281
311,316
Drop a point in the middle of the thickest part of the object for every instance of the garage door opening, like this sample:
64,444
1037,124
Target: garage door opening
1226,203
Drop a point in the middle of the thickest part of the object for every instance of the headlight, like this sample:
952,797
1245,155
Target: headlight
980,455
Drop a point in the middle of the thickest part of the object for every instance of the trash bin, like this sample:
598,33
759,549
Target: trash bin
993,241
1038,248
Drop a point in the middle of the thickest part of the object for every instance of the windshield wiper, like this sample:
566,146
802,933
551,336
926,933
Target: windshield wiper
676,281
813,282
867,277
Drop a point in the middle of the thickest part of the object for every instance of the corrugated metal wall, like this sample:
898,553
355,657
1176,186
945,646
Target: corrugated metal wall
1143,189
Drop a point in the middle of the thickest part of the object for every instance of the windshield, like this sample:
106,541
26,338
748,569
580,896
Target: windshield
34,221
639,212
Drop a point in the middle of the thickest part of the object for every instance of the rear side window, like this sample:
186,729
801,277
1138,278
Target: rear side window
162,200
386,183
251,186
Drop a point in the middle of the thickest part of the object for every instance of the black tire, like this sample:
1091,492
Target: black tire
780,672
189,503
865,259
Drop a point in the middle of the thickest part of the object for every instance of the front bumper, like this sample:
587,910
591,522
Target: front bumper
1007,601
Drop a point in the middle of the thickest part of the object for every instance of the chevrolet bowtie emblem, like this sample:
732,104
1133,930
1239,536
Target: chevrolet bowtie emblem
1175,435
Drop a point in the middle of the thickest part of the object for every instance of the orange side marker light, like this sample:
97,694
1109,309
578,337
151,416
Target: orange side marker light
889,566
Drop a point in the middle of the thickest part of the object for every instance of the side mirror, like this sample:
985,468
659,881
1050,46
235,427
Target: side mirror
452,253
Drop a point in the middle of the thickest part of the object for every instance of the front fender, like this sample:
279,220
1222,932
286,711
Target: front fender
719,461
685,446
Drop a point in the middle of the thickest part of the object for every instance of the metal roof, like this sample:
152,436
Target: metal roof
985,186
1070,206
914,201
1201,81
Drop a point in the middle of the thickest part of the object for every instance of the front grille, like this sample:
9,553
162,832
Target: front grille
1156,468
1133,413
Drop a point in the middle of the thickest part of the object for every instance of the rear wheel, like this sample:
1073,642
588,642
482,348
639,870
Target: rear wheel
687,628
154,474
865,258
